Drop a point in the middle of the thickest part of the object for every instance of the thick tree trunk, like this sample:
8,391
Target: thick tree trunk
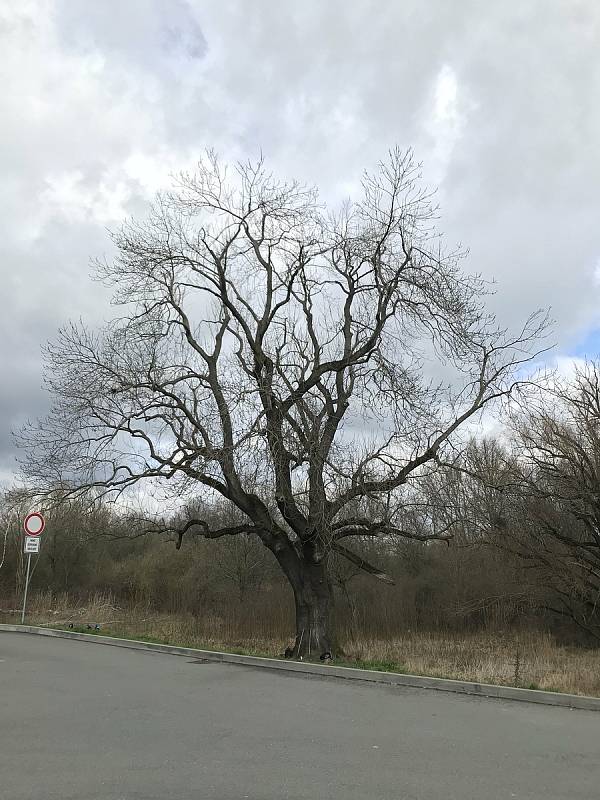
313,597
314,607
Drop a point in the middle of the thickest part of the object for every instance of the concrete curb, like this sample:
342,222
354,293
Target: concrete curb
345,673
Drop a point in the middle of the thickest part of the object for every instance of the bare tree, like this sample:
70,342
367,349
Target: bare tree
13,509
276,355
537,495
558,458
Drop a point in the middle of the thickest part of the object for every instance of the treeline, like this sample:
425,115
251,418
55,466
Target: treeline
522,513
437,585
467,583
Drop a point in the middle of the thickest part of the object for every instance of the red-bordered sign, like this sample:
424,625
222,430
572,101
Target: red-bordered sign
34,524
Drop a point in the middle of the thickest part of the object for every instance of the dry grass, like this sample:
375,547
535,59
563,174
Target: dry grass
528,658
210,631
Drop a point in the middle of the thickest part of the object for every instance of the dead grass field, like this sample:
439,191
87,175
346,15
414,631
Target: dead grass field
526,658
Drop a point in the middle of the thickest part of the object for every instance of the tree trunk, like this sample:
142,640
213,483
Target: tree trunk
314,605
313,598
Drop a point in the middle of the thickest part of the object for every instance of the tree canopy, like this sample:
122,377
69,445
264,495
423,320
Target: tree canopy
308,366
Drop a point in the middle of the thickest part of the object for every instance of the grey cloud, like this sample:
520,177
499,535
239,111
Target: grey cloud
101,100
145,34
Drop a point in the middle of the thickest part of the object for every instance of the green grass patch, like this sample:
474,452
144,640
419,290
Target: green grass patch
376,665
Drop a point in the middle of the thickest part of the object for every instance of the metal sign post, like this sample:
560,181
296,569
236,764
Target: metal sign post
34,525
26,587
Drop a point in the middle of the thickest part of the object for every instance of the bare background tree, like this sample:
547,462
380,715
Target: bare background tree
285,360
541,492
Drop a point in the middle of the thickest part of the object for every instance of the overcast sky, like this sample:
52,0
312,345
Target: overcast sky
102,99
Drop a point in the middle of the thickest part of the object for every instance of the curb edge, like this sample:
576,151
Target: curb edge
538,696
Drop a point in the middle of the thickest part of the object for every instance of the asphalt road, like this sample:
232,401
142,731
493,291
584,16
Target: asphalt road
82,721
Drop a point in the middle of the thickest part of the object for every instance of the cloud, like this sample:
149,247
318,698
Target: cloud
101,101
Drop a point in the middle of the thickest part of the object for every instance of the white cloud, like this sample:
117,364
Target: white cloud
445,119
68,195
567,366
101,101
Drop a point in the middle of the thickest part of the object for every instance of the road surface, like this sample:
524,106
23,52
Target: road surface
82,721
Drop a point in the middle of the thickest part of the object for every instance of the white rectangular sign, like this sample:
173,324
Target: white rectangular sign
32,544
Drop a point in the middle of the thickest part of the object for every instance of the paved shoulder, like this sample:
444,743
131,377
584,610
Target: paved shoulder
80,721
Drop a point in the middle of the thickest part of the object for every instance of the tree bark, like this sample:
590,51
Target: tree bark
313,600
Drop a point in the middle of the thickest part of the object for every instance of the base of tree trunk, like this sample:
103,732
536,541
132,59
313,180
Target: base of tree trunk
314,601
313,598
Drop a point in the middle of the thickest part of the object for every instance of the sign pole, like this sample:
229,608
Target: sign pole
34,524
26,587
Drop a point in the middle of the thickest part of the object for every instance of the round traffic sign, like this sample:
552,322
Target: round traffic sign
34,524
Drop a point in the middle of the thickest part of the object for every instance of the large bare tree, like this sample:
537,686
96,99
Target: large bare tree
308,367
